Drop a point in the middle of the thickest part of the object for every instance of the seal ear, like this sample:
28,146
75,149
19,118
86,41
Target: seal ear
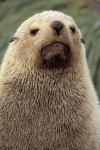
83,41
13,39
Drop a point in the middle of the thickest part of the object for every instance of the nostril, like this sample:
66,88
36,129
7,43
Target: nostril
57,26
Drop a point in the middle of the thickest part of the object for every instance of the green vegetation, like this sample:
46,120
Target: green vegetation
14,12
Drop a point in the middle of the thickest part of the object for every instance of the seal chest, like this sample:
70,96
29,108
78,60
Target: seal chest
47,99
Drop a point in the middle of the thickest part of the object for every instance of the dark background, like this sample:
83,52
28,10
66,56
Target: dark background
85,12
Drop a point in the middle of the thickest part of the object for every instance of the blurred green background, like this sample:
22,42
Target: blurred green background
85,12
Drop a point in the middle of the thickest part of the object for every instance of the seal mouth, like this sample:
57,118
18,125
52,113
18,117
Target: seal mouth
55,55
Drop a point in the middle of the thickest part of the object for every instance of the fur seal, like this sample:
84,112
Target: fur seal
47,98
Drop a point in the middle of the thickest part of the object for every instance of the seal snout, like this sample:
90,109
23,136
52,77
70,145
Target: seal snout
57,53
57,26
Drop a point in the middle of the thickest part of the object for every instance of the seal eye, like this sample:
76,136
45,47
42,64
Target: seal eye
73,29
34,31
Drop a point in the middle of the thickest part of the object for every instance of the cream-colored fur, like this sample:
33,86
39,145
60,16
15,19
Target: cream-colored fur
42,109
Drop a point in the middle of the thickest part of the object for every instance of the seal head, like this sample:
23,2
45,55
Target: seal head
48,41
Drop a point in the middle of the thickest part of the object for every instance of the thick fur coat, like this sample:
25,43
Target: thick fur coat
42,108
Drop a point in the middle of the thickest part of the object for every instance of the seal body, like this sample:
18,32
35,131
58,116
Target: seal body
47,99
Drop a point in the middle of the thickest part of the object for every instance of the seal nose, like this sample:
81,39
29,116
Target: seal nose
57,26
